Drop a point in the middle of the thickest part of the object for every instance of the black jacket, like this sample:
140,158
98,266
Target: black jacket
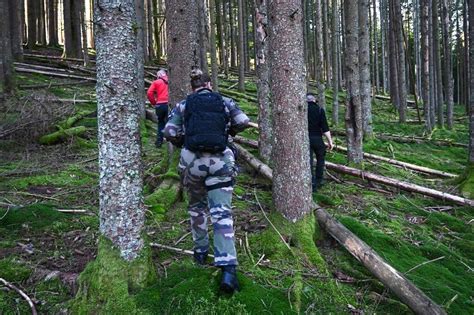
317,122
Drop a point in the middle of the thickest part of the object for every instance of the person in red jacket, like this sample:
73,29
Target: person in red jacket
158,97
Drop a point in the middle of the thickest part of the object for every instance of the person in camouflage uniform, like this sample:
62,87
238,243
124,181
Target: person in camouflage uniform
209,178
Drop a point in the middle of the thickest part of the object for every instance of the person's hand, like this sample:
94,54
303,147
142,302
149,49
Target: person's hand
330,146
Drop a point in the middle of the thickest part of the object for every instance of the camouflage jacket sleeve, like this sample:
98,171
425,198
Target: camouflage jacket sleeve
174,130
238,120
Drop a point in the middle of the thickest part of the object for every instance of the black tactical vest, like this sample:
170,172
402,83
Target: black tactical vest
205,123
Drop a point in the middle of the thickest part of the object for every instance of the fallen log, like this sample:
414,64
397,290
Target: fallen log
408,139
250,143
49,85
68,123
387,98
54,74
399,184
55,58
414,167
151,115
393,279
62,135
254,162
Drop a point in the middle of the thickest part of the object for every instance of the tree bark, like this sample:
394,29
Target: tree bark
122,212
215,70
142,53
183,45
471,85
437,66
149,30
6,55
16,36
335,66
425,67
42,23
263,80
241,48
354,127
203,35
401,61
448,68
319,58
32,22
364,56
52,23
288,86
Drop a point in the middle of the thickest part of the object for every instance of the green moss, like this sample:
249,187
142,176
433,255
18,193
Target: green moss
14,271
189,289
301,235
107,284
55,293
432,278
467,182
72,176
35,216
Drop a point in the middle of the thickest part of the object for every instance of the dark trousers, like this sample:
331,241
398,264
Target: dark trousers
319,148
162,114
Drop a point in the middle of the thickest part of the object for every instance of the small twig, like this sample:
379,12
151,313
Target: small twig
424,263
273,226
23,295
260,260
470,269
181,238
72,210
6,212
30,194
174,249
248,248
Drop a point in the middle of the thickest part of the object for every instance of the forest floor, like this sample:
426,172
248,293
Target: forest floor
43,248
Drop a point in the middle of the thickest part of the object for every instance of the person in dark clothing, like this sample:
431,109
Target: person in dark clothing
317,128
158,96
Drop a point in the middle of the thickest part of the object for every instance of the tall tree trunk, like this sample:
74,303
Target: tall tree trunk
6,55
32,22
85,51
203,35
467,61
471,84
425,67
319,71
241,48
149,29
326,28
52,23
354,126
156,30
226,35
401,61
41,23
392,57
233,53
433,86
183,45
263,81
364,68
142,53
220,30
122,213
448,68
335,65
437,66
215,70
76,10
376,49
16,36
290,129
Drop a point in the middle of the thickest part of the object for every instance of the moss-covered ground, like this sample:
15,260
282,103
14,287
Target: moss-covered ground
43,250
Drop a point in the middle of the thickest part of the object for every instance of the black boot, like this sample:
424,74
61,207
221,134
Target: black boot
229,281
200,258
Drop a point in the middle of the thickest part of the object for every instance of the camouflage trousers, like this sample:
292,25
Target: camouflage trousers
208,179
